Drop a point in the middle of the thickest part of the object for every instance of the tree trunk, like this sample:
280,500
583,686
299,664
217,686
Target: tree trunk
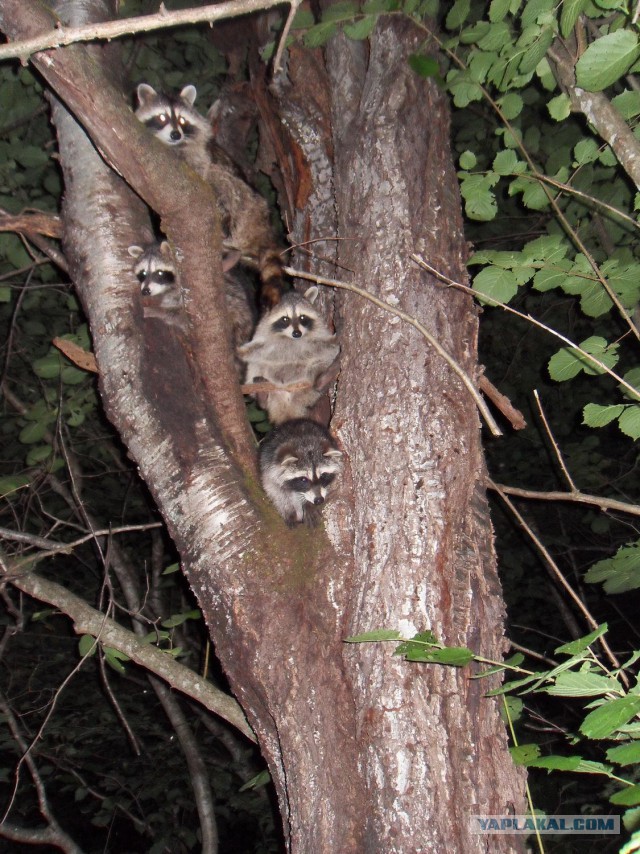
368,753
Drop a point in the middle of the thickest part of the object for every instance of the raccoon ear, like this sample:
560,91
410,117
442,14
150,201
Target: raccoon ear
145,93
135,251
165,249
332,452
188,94
311,293
288,460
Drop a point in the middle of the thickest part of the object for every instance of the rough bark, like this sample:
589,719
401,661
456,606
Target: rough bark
422,536
368,753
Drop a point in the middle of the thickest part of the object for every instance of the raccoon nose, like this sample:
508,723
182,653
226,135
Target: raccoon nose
318,500
146,291
296,333
175,135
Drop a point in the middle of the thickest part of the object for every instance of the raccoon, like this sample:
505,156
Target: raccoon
292,344
244,213
156,271
299,464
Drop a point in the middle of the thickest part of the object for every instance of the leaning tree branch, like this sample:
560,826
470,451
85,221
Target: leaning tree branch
89,621
59,35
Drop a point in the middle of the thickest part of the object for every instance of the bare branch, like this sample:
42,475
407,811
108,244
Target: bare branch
556,573
87,620
574,496
163,19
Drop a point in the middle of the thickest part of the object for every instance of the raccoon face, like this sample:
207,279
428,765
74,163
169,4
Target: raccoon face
295,316
154,268
308,481
171,119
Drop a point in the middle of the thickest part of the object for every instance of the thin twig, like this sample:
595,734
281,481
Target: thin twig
277,67
496,303
575,496
557,574
163,19
556,449
475,394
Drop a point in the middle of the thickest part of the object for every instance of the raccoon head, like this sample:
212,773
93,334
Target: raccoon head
154,268
295,315
172,119
308,476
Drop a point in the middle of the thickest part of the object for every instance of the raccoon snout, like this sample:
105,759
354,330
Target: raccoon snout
318,500
146,291
175,135
296,333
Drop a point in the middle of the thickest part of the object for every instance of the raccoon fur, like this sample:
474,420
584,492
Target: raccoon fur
299,464
244,213
292,344
155,269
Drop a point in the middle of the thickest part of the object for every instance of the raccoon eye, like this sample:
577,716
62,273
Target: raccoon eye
164,118
182,121
141,276
326,479
164,277
299,484
285,321
303,320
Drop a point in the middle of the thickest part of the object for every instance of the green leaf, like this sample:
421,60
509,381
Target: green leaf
13,483
595,415
169,570
500,285
627,104
49,366
606,719
425,66
451,656
263,778
619,573
511,105
559,107
628,797
38,455
522,754
498,10
467,160
629,421
361,29
606,60
320,34
556,763
571,10
374,635
625,754
480,202
5,294
506,163
568,362
458,14
33,432
579,645
87,646
179,619
340,11
536,51
582,684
